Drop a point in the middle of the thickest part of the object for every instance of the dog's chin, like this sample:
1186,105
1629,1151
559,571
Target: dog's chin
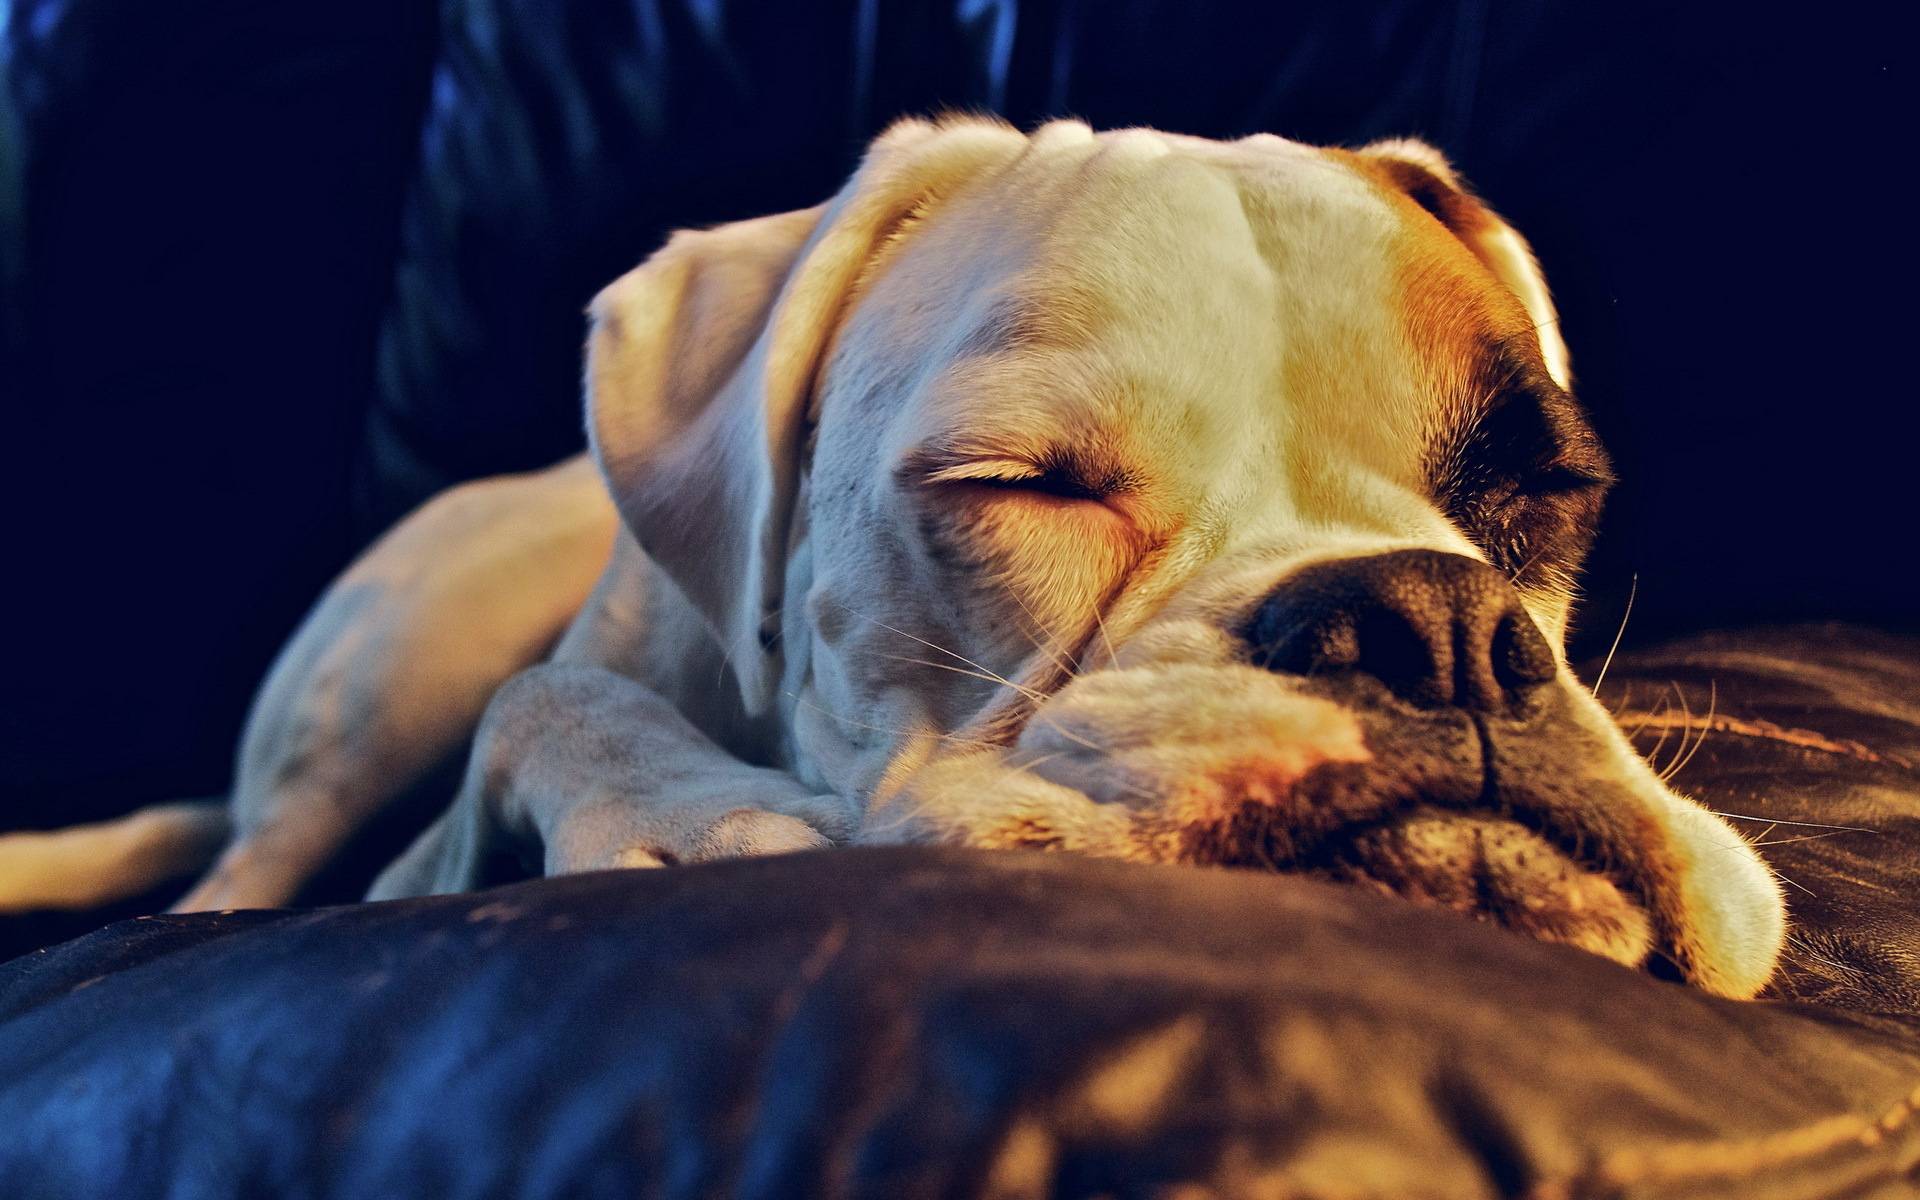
1494,869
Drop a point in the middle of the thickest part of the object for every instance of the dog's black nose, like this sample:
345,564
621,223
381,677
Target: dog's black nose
1438,629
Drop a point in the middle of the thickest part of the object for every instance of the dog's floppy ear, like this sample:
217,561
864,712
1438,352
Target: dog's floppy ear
701,367
1426,176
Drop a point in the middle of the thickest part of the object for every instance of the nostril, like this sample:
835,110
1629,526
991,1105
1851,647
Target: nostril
1522,660
1400,651
1326,643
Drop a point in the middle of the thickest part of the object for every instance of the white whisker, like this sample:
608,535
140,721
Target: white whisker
990,677
1706,727
1068,734
1665,731
1100,623
897,732
1061,661
1647,718
1633,589
1686,728
1031,763
1792,883
1807,951
985,672
934,646
1805,837
1720,812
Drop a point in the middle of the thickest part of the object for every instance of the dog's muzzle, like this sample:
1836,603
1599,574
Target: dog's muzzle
1396,722
1481,795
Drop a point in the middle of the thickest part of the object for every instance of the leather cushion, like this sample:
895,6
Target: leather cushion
911,1022
902,1023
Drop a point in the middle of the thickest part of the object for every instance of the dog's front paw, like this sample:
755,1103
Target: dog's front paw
609,834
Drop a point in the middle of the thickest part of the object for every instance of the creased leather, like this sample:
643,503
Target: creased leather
1812,734
910,1022
889,1024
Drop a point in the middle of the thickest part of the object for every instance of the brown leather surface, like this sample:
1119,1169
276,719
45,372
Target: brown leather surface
1811,734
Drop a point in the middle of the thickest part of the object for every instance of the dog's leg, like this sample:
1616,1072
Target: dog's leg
575,768
393,668
91,866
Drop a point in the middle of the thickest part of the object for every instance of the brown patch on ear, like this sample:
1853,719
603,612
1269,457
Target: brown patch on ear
1413,175
1444,200
1454,308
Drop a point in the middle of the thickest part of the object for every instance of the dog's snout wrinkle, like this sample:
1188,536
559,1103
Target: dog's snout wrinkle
1439,630
1489,776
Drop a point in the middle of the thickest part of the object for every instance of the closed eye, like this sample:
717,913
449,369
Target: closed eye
1536,526
1558,480
1057,480
1036,538
1549,484
1526,481
1059,485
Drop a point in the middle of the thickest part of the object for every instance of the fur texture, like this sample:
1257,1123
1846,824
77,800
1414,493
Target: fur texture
947,504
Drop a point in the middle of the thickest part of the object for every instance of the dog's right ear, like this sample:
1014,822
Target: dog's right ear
701,369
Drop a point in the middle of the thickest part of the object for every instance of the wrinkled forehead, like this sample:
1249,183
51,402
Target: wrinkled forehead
1220,303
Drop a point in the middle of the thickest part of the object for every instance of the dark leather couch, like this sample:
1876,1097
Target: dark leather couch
272,272
933,1023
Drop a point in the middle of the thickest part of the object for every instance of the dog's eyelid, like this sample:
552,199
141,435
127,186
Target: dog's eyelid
1534,437
1059,476
985,470
1556,478
1026,480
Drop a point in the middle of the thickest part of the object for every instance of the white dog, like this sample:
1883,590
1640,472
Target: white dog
1127,494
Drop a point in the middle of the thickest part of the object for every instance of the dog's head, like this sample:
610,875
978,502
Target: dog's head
1166,499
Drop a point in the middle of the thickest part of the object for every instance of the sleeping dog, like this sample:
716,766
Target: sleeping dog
1123,494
